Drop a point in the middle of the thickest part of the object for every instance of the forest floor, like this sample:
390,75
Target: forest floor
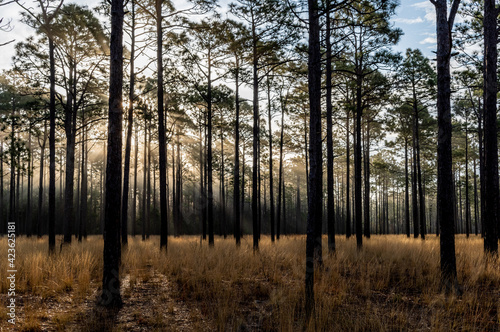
392,284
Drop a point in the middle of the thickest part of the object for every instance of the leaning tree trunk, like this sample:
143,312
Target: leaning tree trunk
110,295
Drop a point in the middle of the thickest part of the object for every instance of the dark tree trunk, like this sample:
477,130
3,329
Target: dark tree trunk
329,138
280,175
12,190
367,181
110,295
83,195
144,178
467,202
271,185
255,143
314,212
40,181
203,215
236,172
414,191
52,150
358,206
148,197
161,130
445,176
476,209
29,225
407,194
421,196
70,129
222,185
134,201
348,180
490,127
480,120
130,124
210,195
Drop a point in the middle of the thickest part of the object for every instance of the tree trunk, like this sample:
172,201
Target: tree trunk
255,143
236,171
83,198
476,210
367,181
130,124
40,181
12,190
357,165
210,195
467,202
490,128
161,131
144,178
314,215
414,191
110,295
52,150
329,137
407,195
445,177
134,202
421,196
271,186
348,180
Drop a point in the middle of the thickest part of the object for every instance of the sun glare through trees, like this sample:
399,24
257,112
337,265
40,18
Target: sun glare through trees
254,165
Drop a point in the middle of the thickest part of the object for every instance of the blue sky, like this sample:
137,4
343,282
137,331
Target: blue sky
415,17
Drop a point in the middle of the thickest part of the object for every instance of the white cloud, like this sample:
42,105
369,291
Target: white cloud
409,20
428,7
429,40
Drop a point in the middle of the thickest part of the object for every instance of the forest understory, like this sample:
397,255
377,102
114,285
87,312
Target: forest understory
391,284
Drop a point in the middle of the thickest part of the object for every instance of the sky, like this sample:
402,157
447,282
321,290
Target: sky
415,17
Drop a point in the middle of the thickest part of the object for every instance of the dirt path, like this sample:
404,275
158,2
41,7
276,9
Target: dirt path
149,305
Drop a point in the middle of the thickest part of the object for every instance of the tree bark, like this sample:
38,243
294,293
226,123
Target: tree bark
314,215
407,194
130,124
236,171
445,176
490,128
329,137
271,186
110,295
348,180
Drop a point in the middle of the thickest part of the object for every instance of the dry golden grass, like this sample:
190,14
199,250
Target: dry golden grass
391,284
